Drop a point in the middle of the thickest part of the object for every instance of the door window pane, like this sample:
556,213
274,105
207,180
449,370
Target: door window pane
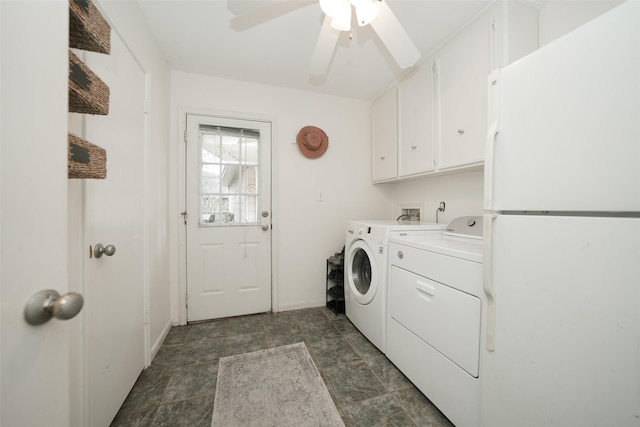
230,147
228,181
210,179
210,147
252,151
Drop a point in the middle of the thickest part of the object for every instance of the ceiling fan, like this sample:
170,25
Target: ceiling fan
338,18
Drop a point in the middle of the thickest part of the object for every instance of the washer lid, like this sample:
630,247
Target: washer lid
465,226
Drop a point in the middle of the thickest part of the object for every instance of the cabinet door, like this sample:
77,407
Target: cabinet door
464,65
416,122
384,136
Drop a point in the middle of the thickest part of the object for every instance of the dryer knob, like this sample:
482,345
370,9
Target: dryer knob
400,254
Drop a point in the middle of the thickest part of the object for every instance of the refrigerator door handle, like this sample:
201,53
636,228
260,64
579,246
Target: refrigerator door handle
488,166
487,280
493,108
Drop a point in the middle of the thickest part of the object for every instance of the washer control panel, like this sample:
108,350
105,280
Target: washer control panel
466,226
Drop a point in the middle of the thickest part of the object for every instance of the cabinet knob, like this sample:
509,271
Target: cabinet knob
413,147
382,158
460,131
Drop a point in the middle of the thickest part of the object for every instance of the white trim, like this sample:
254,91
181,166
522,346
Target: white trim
159,341
300,306
146,212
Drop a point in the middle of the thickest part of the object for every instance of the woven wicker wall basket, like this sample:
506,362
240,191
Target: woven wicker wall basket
85,160
88,30
87,93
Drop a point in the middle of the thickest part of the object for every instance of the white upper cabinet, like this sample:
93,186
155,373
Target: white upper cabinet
416,130
435,119
463,67
384,136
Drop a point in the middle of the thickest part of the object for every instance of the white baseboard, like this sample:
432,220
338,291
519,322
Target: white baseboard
156,346
299,306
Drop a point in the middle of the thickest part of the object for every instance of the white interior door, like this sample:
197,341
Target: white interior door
114,285
33,128
228,198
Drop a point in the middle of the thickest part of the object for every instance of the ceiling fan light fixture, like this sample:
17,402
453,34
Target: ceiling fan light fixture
342,20
366,11
331,7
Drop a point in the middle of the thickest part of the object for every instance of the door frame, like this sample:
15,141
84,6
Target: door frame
179,172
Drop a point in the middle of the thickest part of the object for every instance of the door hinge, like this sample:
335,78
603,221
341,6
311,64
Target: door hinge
146,106
185,216
185,136
146,316
186,301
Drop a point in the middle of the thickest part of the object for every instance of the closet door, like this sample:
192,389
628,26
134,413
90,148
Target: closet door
114,213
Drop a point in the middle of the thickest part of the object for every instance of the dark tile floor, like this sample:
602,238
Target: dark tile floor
178,388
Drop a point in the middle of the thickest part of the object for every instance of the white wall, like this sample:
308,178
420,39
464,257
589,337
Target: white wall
305,230
462,193
558,17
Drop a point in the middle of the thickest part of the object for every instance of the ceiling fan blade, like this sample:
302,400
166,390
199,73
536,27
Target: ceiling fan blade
240,7
394,37
261,15
326,44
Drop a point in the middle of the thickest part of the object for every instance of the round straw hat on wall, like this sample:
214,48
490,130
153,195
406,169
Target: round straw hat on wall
312,141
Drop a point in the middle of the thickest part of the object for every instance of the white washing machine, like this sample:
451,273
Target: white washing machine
366,272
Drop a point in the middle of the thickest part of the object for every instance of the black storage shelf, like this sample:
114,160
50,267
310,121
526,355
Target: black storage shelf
335,284
336,292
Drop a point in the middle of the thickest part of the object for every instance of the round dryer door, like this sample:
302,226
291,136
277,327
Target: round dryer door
362,272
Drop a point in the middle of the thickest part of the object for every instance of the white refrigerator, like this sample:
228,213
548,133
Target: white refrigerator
562,232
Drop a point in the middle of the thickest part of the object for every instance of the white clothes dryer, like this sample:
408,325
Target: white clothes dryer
366,260
435,317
